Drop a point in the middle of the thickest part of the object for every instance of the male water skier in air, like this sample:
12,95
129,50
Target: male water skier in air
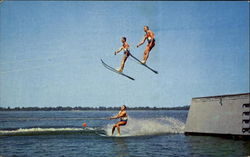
150,37
123,119
125,48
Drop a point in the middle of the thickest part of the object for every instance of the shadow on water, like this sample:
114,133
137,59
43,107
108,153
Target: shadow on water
216,146
121,147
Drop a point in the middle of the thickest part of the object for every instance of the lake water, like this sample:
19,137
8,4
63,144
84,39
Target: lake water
148,133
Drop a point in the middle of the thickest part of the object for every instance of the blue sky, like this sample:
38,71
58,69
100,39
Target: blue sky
50,52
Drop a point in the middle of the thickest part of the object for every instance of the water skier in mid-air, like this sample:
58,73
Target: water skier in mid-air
150,37
125,48
123,119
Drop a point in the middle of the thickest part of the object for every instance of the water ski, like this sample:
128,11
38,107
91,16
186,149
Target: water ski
105,135
114,70
156,72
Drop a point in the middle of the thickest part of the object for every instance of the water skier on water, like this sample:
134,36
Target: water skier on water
125,48
123,119
150,37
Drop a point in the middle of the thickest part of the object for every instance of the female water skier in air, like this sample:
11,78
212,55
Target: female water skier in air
123,119
150,37
125,48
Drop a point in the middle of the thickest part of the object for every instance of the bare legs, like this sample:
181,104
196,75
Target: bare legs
146,53
117,125
118,129
113,129
125,57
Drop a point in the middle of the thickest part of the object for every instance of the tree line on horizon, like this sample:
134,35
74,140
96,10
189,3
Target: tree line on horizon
102,108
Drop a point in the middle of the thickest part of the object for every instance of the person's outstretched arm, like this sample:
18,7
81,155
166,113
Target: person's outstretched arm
119,50
142,42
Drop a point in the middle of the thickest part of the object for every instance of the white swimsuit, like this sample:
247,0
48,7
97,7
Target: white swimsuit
124,118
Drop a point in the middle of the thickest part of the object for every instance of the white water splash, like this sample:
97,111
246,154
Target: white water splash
140,127
37,130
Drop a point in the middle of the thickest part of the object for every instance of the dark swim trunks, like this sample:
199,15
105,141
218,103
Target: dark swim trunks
126,52
123,121
149,40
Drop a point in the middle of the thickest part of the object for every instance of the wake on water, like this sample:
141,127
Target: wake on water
142,127
134,127
38,131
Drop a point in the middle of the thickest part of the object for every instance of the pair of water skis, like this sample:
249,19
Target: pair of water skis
121,73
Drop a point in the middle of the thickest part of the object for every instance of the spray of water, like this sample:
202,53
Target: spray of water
3,132
141,127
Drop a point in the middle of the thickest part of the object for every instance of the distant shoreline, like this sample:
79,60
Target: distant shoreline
100,108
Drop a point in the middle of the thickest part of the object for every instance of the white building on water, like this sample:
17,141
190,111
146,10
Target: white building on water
223,115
